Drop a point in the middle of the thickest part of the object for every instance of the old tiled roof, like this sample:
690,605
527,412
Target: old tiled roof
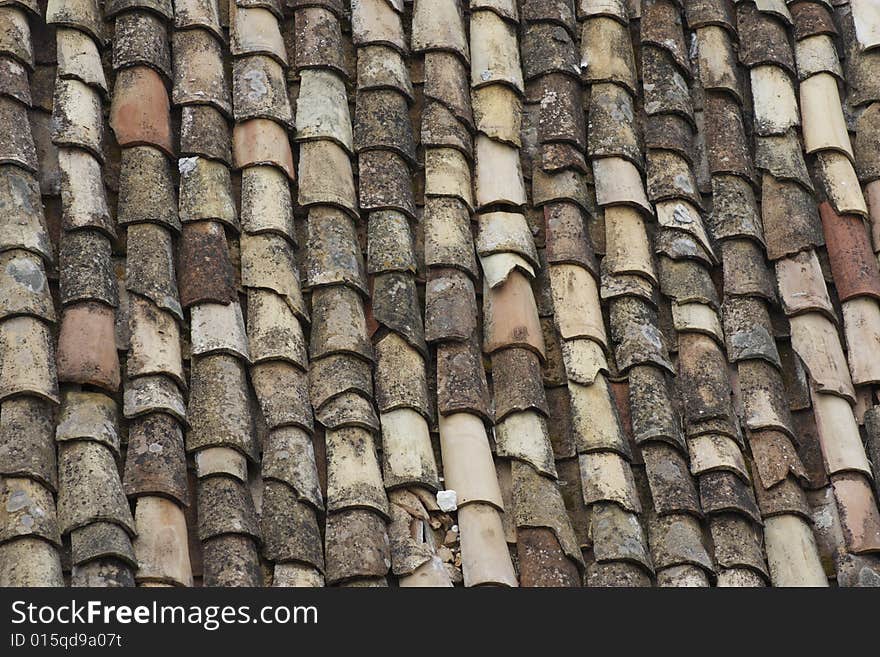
429,293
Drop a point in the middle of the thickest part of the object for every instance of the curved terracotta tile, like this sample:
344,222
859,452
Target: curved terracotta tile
853,263
261,141
139,112
205,269
859,517
511,317
87,346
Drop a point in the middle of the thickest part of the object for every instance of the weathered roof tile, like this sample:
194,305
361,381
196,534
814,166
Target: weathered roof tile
219,398
662,27
339,323
225,507
672,487
824,126
840,183
447,174
511,317
506,9
781,157
817,54
78,58
149,470
139,113
25,288
608,53
256,31
853,263
859,65
364,529
450,306
738,544
266,204
446,81
671,177
612,130
811,18
282,390
326,177
162,543
763,38
86,269
516,383
267,262
666,91
259,90
724,492
864,143
619,182
727,145
101,540
89,487
206,192
322,108
334,255
318,40
635,333
218,328
461,382
195,13
262,141
82,192
275,6
204,132
17,147
653,415
27,439
400,378
14,81
550,49
867,23
390,243
567,239
748,331
161,7
791,221
395,306
384,182
290,528
700,13
85,15
618,535
376,22
498,113
199,76
858,512
149,192
816,340
801,285
745,271
151,394
86,346
439,26
205,268
562,120
273,331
